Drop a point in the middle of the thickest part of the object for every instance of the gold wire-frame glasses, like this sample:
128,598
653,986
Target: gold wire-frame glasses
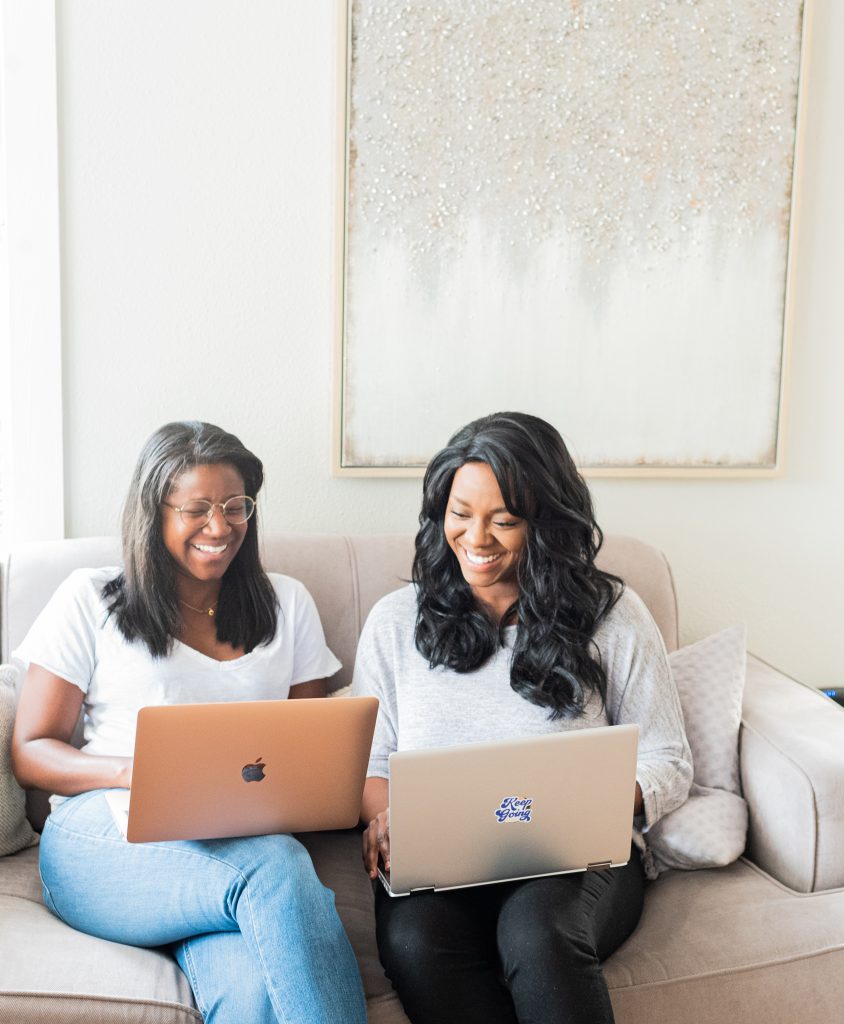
236,510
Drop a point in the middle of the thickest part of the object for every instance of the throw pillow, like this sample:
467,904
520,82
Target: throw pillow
708,831
15,830
710,681
710,828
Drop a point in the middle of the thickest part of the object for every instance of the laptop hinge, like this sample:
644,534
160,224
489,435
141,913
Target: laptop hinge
423,888
599,865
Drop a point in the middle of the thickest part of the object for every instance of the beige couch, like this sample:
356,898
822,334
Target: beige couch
759,941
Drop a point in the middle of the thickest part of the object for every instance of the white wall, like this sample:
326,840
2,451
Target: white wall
198,159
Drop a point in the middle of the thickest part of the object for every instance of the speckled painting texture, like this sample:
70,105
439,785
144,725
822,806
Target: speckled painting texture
576,208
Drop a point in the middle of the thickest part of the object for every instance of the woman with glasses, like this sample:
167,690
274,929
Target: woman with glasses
191,617
509,630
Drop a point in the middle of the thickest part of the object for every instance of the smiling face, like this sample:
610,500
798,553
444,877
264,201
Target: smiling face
203,552
486,538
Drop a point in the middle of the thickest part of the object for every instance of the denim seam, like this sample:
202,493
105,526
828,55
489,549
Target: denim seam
193,978
279,1009
52,905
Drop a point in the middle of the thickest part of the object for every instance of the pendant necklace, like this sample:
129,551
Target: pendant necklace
200,611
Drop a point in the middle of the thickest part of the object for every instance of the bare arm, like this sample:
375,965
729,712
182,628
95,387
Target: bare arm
314,688
376,815
638,802
42,754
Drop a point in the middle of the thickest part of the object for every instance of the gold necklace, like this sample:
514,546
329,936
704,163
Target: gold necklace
200,611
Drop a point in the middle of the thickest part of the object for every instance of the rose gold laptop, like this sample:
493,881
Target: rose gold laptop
208,771
510,810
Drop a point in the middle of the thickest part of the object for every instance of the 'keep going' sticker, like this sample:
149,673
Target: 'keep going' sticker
514,808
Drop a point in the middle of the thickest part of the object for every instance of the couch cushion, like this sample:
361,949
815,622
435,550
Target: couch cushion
645,569
48,971
19,875
713,943
345,576
15,831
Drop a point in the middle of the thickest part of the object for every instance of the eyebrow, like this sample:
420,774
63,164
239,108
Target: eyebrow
496,511
198,497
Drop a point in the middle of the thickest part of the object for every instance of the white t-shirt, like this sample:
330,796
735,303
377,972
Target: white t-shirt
77,639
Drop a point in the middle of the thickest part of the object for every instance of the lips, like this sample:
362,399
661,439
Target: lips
211,549
481,560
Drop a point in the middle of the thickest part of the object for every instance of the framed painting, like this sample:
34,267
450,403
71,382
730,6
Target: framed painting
574,208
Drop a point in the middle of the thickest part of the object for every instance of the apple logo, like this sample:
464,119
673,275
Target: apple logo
253,772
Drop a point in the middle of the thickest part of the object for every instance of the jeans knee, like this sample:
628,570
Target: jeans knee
285,857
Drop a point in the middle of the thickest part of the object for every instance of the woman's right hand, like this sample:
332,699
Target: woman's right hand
376,843
125,777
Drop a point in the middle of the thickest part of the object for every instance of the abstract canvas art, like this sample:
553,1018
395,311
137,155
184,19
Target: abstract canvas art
580,209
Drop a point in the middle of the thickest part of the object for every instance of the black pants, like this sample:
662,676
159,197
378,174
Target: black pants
526,952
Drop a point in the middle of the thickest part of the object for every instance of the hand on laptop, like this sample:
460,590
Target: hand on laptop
125,776
376,842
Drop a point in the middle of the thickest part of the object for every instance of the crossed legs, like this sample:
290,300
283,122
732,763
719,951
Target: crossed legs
262,931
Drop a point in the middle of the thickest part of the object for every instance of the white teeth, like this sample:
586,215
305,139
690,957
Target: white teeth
210,549
480,559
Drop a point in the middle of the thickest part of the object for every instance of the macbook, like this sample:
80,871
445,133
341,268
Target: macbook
207,771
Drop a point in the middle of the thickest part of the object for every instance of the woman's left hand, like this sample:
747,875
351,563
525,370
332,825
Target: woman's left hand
376,836
376,843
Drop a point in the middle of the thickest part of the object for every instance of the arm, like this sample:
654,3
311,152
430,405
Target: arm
374,675
641,690
314,688
42,754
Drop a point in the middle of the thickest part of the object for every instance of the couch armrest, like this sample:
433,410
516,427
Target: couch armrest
792,774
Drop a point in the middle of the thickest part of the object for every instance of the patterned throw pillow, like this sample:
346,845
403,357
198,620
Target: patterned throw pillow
15,830
710,829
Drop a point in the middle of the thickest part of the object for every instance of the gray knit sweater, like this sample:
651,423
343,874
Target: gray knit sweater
423,707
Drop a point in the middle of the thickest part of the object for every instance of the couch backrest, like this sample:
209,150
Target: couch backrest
345,574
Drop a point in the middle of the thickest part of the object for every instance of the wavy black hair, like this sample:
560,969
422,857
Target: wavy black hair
563,595
143,597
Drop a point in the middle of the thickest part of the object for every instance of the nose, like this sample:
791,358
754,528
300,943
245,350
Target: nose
217,525
476,532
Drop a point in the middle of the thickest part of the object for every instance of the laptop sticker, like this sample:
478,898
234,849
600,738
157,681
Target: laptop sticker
514,808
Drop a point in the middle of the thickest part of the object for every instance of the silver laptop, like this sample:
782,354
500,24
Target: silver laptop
208,771
506,811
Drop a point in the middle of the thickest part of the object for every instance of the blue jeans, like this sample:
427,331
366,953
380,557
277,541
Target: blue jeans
250,923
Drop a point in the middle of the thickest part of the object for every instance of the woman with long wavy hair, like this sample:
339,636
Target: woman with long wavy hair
190,617
510,629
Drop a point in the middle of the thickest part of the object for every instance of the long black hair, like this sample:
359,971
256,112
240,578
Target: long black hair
143,597
563,596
